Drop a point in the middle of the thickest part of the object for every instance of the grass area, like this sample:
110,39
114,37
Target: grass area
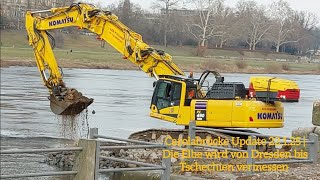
18,39
14,38
87,50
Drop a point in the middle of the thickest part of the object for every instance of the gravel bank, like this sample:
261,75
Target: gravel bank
296,171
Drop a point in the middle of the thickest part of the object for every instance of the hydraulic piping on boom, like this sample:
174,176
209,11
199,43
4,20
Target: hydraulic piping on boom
68,101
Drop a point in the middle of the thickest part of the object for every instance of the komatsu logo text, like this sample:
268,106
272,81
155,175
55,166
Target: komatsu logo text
61,21
276,115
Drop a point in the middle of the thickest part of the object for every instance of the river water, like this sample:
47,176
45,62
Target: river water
121,104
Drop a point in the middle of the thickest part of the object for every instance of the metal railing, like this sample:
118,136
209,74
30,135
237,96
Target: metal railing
32,151
87,162
312,142
166,162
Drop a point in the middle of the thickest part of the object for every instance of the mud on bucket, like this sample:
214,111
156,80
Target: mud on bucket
72,103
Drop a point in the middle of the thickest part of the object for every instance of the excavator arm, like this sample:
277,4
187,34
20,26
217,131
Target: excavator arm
107,26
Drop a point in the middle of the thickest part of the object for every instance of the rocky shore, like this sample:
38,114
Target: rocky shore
66,159
296,171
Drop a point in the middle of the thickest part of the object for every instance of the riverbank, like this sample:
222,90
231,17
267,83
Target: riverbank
222,66
80,51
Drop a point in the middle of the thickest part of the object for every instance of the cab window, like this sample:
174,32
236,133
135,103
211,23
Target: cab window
163,95
176,94
167,94
191,94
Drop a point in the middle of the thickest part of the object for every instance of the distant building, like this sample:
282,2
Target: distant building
315,53
180,12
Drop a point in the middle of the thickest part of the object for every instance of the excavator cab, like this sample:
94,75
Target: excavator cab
172,92
166,98
172,97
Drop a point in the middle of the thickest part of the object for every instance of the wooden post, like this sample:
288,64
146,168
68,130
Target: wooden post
85,162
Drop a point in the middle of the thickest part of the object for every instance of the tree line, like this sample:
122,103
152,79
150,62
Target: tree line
211,23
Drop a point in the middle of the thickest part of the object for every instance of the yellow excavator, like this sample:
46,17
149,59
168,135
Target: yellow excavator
208,100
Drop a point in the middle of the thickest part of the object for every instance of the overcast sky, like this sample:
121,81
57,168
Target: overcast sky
307,5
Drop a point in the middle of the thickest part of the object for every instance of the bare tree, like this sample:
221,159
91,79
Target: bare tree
97,3
316,38
227,28
305,23
66,2
180,30
254,23
125,14
203,26
283,24
306,20
28,5
165,7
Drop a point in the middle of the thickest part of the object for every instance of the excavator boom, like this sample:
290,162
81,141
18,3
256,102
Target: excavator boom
67,101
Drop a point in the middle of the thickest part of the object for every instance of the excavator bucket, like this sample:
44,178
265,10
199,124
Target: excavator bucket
72,103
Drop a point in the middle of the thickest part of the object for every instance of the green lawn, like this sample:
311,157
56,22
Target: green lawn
18,39
87,49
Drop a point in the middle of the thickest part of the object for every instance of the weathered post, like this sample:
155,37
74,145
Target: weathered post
316,113
192,133
85,162
192,136
313,148
166,162
93,135
251,160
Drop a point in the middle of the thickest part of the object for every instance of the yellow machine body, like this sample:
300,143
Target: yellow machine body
237,113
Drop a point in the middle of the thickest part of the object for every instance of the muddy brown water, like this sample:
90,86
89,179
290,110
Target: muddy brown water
121,105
